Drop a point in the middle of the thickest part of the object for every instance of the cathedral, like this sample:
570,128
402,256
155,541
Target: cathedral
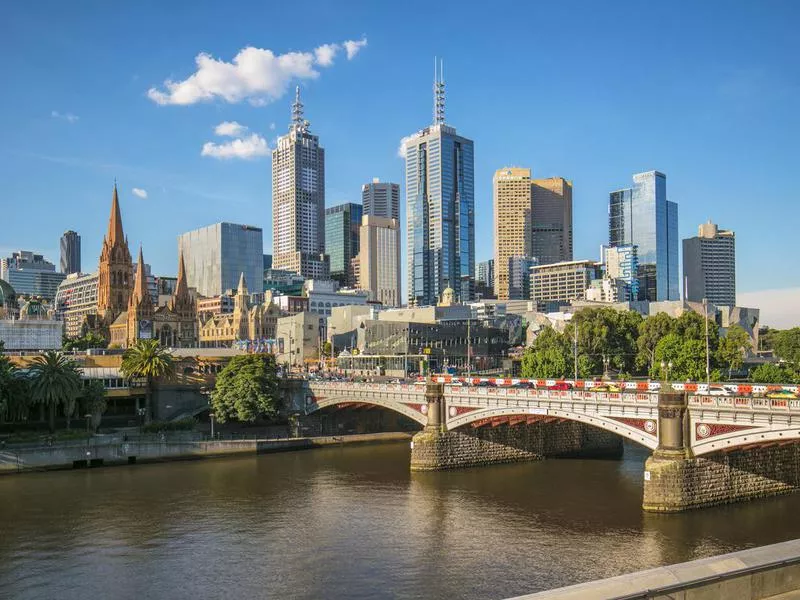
125,310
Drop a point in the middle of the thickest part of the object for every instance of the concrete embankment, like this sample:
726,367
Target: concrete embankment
75,456
767,572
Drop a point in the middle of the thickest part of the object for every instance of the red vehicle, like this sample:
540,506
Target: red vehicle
561,386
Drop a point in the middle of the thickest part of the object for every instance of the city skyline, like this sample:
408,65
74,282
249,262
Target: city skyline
73,150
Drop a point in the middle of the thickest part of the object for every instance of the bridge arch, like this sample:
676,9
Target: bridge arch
640,429
416,412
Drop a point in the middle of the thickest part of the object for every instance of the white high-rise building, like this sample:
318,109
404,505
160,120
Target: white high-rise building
380,259
381,199
298,200
709,266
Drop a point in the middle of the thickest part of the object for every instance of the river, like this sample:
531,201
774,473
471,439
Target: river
350,522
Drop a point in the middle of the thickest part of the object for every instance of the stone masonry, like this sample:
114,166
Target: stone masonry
435,450
675,485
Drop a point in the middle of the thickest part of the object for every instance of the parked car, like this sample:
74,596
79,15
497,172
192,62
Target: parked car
486,384
561,386
781,394
529,385
606,387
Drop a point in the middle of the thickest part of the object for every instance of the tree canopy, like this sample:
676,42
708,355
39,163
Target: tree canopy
246,389
55,380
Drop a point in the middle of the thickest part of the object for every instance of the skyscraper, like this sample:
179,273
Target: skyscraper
643,216
551,219
709,266
484,279
622,263
70,252
342,223
298,200
440,206
512,223
380,259
217,255
381,199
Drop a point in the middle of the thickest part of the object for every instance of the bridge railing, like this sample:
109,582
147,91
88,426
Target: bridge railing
751,403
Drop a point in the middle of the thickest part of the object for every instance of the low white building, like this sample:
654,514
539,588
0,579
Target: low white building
324,295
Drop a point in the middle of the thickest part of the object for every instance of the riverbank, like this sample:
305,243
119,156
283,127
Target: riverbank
131,452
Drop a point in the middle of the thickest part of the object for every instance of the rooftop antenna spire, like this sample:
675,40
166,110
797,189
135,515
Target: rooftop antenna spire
298,123
438,92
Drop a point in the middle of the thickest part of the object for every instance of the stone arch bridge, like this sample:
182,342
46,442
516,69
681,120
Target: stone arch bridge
705,449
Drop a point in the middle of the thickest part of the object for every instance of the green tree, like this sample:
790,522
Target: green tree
89,340
604,334
247,388
687,358
771,373
55,380
94,401
651,331
148,359
733,348
550,356
8,374
787,345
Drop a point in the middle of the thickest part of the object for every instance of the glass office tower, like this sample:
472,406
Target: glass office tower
216,256
643,216
342,223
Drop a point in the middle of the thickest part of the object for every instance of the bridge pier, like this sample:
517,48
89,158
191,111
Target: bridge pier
675,480
435,448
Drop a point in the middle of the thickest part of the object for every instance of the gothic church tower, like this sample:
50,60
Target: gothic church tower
115,269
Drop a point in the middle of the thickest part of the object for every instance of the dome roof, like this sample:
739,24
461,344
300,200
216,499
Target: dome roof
8,297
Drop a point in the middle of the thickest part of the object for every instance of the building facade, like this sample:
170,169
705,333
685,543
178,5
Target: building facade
519,277
342,240
557,284
642,216
34,328
379,259
440,207
300,337
298,200
31,275
114,273
70,244
622,263
76,301
551,218
218,254
512,223
381,199
484,279
323,295
709,266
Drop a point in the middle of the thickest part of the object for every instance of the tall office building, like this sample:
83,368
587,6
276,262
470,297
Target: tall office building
70,252
484,279
512,223
551,219
557,284
298,200
217,255
709,266
519,277
342,223
379,259
622,263
381,199
31,275
642,216
440,206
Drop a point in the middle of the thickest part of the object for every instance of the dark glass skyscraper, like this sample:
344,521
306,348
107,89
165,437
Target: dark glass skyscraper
342,240
643,216
440,204
70,252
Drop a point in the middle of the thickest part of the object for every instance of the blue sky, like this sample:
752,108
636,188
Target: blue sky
594,92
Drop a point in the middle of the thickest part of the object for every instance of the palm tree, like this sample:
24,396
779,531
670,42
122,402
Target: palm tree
55,380
8,373
94,401
147,358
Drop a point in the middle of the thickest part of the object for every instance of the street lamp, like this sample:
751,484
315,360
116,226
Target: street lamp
666,366
211,418
141,412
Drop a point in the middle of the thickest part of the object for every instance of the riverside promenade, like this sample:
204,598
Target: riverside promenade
764,573
77,455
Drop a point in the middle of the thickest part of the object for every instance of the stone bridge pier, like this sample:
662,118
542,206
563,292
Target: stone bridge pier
676,480
437,448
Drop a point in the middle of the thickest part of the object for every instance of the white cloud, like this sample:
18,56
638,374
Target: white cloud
401,149
353,46
255,74
325,54
779,308
140,193
230,129
69,117
247,148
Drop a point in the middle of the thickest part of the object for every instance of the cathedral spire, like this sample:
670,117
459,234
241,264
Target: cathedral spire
140,282
181,288
242,290
115,234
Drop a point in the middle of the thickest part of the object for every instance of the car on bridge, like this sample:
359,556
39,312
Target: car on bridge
560,386
781,394
606,387
718,390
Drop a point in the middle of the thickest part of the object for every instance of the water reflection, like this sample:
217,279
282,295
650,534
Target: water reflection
350,523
